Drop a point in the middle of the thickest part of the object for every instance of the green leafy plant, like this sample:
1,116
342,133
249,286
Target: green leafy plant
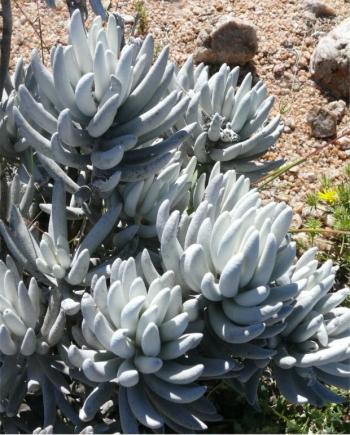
314,225
332,202
141,16
275,415
311,200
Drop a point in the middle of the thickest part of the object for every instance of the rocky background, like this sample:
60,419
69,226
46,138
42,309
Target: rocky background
274,39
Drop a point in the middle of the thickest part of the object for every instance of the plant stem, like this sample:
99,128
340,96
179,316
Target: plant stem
318,230
33,26
40,33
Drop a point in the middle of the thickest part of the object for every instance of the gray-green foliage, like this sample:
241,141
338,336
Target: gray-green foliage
18,191
87,314
11,143
232,121
21,315
136,334
101,107
237,255
314,347
32,323
55,259
142,199
97,7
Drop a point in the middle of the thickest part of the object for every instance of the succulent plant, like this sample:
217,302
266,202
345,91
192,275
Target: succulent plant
17,189
232,250
135,332
232,121
21,314
314,348
32,323
142,199
7,130
237,255
102,106
64,266
11,143
55,258
96,6
99,148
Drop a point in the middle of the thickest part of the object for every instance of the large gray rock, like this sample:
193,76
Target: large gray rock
229,40
330,61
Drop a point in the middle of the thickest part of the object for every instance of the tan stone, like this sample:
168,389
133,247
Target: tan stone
230,41
323,120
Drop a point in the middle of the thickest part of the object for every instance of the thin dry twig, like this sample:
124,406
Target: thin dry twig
32,24
40,33
319,230
285,168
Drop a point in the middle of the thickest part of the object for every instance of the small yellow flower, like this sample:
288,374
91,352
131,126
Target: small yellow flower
329,196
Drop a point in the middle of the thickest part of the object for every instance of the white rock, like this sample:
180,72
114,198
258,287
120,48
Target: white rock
330,61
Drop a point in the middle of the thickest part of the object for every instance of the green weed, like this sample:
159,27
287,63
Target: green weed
274,414
333,221
142,17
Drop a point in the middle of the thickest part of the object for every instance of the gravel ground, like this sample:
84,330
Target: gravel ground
287,37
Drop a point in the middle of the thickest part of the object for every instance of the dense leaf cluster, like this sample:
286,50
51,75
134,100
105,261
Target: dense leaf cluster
134,269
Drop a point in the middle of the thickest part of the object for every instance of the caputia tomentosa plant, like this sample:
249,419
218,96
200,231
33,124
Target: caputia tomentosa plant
218,294
237,255
32,324
136,334
231,121
70,116
96,6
